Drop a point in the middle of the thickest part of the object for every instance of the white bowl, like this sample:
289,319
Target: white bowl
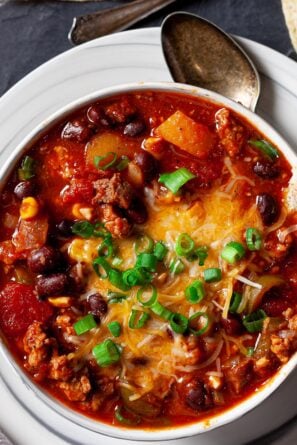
7,360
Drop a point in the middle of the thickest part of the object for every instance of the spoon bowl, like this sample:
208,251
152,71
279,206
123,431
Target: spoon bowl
199,53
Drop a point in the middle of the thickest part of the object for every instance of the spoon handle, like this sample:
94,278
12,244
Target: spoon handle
107,21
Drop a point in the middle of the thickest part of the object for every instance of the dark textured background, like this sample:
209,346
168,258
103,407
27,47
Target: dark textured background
33,32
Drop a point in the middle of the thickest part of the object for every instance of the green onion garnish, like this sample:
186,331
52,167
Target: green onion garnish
176,266
105,162
265,147
147,261
101,267
100,230
235,302
106,248
138,319
144,244
201,253
195,292
160,251
123,163
233,252
175,180
197,317
84,324
158,309
145,300
115,297
136,276
83,228
212,275
27,170
106,353
254,322
114,328
184,245
178,323
253,239
125,420
250,351
115,276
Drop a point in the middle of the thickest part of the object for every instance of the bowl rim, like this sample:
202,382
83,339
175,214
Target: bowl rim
168,433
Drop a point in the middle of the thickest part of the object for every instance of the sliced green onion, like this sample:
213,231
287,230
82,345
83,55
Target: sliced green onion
115,297
106,353
212,275
115,276
202,253
118,414
184,245
158,309
233,252
144,244
152,297
83,228
197,317
176,266
136,276
123,163
100,230
117,261
160,251
84,324
254,322
250,351
235,302
178,323
265,147
138,319
106,248
114,328
27,170
101,267
195,292
104,162
175,180
253,239
147,261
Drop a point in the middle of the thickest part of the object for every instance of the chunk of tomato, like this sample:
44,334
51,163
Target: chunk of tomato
19,307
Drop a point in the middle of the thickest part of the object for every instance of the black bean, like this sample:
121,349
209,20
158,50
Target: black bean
195,396
54,284
64,228
77,131
266,170
94,114
232,325
139,361
147,163
24,189
98,305
44,260
134,128
137,212
268,208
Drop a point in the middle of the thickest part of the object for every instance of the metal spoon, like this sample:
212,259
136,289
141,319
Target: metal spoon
106,21
199,53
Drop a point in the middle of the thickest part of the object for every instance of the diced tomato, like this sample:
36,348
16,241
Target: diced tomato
80,190
30,234
8,254
19,307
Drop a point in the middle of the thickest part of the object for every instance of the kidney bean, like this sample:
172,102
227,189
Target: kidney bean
24,188
266,170
134,128
44,260
231,325
137,212
268,208
147,163
64,228
98,305
96,116
54,284
197,396
76,130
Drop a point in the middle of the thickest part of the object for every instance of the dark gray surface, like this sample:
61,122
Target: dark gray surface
33,32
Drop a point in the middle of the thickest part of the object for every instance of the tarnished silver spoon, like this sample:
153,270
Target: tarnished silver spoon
199,53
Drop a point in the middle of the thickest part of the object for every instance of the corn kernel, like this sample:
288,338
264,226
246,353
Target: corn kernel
29,208
60,301
79,211
215,382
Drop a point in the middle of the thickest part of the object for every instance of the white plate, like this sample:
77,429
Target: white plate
126,57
